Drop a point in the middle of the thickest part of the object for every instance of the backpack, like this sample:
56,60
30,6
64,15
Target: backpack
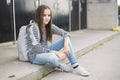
22,42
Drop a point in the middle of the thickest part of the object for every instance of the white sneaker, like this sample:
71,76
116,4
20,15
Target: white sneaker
65,68
81,71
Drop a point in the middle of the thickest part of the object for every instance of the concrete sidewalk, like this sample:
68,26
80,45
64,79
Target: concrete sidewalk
12,69
102,63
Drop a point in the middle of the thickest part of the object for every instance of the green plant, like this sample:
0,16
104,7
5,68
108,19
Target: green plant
38,78
43,75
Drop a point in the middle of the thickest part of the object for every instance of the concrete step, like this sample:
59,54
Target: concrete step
17,70
12,69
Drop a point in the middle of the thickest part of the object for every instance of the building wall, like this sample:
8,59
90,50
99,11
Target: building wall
102,15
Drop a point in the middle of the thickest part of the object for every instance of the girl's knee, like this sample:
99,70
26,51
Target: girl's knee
53,59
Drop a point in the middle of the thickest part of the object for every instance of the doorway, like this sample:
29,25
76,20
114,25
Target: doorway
78,14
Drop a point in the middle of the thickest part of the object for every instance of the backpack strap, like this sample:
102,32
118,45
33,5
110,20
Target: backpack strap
30,24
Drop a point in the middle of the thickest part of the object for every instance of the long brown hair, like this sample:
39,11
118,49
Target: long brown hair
39,19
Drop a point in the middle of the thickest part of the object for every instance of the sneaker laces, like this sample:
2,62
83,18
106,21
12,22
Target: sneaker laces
65,68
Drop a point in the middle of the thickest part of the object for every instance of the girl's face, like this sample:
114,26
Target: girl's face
46,16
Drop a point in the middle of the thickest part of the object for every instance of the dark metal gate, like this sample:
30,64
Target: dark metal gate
67,14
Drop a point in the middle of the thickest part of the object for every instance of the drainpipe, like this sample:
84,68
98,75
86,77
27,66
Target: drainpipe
14,23
79,12
70,8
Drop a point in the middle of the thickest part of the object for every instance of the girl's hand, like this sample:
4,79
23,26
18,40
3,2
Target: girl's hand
66,51
60,55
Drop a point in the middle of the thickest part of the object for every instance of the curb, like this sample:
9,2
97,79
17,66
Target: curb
95,45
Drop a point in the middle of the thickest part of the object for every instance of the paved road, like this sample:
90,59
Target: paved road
103,63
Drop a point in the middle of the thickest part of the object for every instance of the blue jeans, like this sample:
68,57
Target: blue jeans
51,58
